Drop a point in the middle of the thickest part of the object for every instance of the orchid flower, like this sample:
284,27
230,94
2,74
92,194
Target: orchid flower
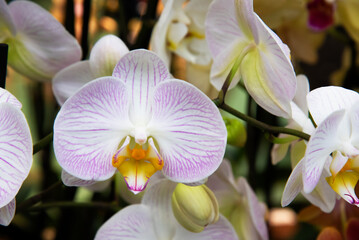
243,46
15,153
139,121
39,46
322,196
180,29
238,203
335,142
103,58
153,219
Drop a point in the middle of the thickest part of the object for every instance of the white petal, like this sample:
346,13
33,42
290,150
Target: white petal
6,96
326,100
158,40
7,26
72,181
70,79
141,71
354,117
323,141
257,213
189,130
158,198
220,230
131,223
42,46
222,26
301,93
105,54
294,185
15,151
7,213
89,128
222,179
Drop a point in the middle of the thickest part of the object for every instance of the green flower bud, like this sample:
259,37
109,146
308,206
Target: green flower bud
194,206
237,135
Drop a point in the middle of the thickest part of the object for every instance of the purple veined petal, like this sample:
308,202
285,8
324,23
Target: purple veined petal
257,213
70,79
72,181
7,97
189,130
222,27
323,195
7,213
89,128
222,179
158,198
15,151
158,40
325,100
105,54
42,46
268,82
323,141
300,98
222,229
131,223
6,22
294,184
141,71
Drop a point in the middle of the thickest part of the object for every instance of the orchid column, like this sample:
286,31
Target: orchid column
139,121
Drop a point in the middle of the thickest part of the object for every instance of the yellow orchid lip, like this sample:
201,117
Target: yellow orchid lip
137,163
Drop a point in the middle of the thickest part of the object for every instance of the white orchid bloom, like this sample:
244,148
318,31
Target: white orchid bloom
322,196
335,142
153,219
241,44
238,203
15,153
39,46
139,121
104,56
180,29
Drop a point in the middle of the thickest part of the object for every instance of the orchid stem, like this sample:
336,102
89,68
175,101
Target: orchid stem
42,143
261,125
37,198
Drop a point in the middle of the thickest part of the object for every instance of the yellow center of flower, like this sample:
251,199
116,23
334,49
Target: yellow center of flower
137,165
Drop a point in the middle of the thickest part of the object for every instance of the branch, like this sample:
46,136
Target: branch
42,143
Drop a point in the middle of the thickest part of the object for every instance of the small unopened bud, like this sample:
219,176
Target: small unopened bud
237,135
194,207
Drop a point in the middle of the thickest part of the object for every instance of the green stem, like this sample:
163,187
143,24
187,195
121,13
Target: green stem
263,126
71,204
42,143
37,198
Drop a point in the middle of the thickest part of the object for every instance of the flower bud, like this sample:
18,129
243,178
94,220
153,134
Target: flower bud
237,135
194,206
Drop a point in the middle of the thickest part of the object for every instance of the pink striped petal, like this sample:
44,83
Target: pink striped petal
189,130
72,181
89,128
326,100
354,117
15,151
131,223
323,141
7,213
7,97
141,71
7,27
42,46
70,79
105,54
